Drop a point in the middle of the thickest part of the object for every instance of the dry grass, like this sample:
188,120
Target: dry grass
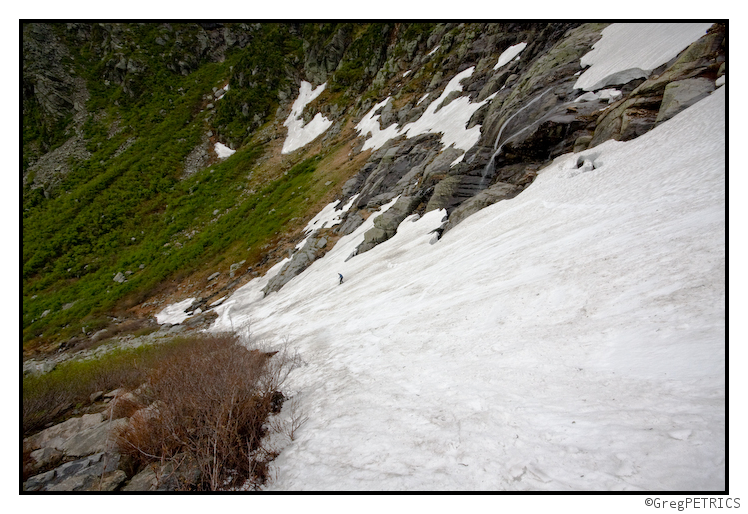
210,403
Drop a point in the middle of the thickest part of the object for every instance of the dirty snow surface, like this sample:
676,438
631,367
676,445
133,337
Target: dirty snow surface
174,314
572,338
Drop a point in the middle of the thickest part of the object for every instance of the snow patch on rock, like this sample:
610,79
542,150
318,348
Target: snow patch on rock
299,134
628,51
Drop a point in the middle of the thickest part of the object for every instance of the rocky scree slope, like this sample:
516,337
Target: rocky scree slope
525,112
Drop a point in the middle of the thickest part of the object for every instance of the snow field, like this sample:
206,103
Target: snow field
571,338
174,314
632,50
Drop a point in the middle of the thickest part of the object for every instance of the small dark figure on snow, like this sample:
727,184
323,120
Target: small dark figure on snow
341,278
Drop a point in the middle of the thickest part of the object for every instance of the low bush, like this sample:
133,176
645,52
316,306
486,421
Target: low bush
47,397
210,402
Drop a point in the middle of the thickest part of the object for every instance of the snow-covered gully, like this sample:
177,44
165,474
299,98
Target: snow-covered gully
571,338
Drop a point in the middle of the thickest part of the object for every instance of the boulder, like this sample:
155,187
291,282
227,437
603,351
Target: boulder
495,193
682,94
626,119
182,471
119,277
200,319
32,367
234,267
100,335
146,480
444,193
97,472
69,305
352,221
46,456
582,143
111,481
116,392
100,438
37,482
82,482
55,436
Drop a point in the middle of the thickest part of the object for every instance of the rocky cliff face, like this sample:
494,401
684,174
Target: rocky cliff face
395,98
535,115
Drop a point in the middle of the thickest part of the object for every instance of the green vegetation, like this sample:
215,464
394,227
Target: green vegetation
47,397
172,231
213,394
369,46
130,207
417,30
255,80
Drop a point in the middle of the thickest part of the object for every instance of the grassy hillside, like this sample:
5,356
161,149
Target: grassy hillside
129,207
133,207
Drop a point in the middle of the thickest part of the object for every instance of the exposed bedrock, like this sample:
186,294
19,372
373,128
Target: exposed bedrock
686,79
385,225
301,260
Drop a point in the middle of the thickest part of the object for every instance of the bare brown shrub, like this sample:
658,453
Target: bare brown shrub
122,407
212,399
47,398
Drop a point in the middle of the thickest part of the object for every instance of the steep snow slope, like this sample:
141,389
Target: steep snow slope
572,338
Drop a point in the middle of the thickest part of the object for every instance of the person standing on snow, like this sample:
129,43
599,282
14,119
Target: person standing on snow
341,278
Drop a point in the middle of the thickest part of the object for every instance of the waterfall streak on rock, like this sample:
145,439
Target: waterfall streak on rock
489,166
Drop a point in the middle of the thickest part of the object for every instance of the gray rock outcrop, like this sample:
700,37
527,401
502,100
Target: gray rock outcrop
300,261
199,157
385,225
495,193
97,472
100,438
56,436
682,94
686,77
352,221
